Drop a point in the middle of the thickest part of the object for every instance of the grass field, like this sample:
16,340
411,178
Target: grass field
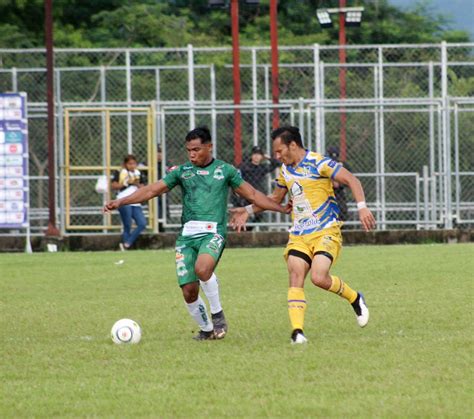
413,359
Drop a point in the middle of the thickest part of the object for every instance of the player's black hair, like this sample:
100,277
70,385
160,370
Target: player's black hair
288,134
201,133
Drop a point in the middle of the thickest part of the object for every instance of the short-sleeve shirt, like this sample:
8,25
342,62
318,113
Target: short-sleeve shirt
205,192
309,185
128,182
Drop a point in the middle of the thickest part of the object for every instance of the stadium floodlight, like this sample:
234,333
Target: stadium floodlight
354,18
348,16
324,18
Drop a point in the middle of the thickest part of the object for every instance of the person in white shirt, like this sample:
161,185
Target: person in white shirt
126,182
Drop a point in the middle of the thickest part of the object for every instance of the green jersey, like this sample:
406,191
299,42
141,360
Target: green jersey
204,195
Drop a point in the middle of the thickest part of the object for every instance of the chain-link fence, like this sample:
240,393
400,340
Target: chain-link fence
407,112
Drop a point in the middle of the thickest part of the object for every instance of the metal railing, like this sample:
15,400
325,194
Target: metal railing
409,111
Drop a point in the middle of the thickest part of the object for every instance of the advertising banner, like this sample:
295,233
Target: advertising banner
14,193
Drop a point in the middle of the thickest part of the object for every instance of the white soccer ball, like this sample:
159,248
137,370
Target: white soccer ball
126,331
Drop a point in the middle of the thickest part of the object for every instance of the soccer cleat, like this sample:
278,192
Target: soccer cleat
220,324
361,310
298,337
203,335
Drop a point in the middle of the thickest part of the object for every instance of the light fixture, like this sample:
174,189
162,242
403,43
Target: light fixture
353,18
324,18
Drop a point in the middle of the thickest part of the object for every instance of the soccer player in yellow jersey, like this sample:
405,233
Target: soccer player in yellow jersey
315,238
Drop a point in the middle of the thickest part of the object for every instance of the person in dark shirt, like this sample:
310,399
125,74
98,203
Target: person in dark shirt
254,171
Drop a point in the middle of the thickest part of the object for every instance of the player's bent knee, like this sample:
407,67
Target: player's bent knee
203,272
318,278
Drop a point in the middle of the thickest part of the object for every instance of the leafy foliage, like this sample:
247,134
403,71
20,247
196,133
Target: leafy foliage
161,23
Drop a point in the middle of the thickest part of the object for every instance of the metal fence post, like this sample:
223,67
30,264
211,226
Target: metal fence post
382,139
62,218
157,110
417,198
14,80
267,111
213,110
322,114
128,76
164,159
377,147
446,135
254,96
432,156
317,98
426,213
191,86
456,162
103,99
301,120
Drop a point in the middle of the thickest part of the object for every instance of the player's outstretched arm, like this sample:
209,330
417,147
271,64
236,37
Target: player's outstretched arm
141,195
365,215
258,198
240,215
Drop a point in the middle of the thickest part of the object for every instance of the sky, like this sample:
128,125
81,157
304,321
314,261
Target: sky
460,12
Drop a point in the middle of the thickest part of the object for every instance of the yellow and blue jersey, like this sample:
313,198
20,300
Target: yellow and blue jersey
310,188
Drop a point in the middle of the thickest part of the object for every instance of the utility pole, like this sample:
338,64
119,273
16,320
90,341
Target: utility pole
274,51
52,230
234,11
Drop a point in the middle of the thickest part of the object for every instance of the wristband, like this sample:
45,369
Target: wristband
249,209
361,205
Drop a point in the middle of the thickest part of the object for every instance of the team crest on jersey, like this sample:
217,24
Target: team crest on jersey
296,189
218,173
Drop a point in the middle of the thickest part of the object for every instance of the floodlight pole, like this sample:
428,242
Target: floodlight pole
52,230
274,51
234,11
342,79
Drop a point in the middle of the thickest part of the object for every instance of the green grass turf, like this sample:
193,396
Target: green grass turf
413,359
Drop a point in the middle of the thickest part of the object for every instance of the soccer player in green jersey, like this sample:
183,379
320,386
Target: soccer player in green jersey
205,183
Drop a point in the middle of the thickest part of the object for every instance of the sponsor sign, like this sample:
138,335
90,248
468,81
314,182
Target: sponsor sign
14,194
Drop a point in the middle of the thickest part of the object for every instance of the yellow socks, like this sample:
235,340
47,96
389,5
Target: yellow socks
296,307
339,287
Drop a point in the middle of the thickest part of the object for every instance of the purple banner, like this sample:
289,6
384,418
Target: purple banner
14,196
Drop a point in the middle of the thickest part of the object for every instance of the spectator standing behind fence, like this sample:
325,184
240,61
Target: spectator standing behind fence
126,182
339,189
254,171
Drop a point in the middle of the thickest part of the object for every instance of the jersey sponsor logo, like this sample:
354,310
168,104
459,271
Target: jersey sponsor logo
187,175
202,172
181,268
179,256
218,173
312,222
